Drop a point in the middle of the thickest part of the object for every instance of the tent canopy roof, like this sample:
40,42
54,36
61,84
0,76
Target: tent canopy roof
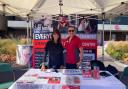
51,7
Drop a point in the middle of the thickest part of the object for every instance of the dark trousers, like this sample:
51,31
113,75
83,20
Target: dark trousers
71,66
54,66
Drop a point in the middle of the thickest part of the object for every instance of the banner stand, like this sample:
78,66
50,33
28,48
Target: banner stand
103,18
24,55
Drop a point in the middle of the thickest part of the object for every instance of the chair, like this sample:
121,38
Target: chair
113,70
6,75
125,72
127,87
124,76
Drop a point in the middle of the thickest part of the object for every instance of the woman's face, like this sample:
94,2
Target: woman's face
82,21
55,36
26,53
71,31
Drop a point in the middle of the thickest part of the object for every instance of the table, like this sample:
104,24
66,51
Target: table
37,79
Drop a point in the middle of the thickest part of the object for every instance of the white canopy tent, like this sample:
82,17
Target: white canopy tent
17,7
52,7
37,8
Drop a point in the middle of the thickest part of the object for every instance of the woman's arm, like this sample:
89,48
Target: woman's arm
81,53
62,57
45,55
46,52
80,56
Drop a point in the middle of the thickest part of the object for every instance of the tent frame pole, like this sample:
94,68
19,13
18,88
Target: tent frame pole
110,37
103,22
27,29
31,30
4,6
76,20
60,4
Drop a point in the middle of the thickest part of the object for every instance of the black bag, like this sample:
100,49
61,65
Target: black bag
113,70
97,63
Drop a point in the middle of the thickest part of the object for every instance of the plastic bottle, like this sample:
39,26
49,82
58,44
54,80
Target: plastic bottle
96,74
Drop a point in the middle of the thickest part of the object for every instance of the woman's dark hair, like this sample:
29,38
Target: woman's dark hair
72,26
56,31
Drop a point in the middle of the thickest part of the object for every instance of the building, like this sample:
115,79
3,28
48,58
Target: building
117,30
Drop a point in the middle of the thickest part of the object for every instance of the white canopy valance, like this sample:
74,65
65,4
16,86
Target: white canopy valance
52,7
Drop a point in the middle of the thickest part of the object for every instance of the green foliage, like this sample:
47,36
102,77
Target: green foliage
110,49
8,48
3,50
117,54
118,50
125,57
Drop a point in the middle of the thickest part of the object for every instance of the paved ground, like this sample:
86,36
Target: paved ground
107,59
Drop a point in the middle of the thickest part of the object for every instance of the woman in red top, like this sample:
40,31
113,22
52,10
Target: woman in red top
73,44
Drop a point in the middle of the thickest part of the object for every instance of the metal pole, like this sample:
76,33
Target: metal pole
60,4
76,21
3,6
31,25
110,37
103,18
27,29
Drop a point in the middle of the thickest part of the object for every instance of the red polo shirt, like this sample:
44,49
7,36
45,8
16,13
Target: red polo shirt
71,46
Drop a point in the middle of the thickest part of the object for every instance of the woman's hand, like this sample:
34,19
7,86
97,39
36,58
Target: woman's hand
78,64
43,68
61,67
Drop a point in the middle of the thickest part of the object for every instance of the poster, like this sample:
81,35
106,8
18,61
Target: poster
87,25
23,54
41,34
86,30
70,87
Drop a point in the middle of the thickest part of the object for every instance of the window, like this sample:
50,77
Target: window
126,37
113,37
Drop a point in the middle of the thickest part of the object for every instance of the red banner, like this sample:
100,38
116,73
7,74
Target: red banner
39,43
89,44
